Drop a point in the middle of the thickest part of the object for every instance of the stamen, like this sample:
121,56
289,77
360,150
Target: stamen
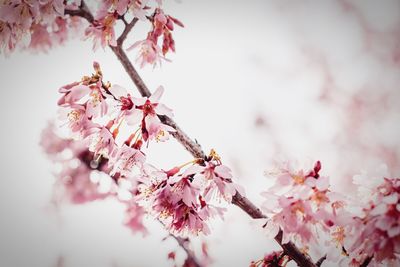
74,115
214,155
116,130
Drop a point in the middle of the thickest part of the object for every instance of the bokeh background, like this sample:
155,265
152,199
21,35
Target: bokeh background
259,81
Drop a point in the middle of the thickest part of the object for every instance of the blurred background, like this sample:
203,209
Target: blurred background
259,81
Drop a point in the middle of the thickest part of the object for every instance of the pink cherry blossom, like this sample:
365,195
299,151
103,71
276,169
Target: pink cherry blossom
149,53
134,218
102,31
216,179
124,159
74,178
300,203
101,142
75,117
378,228
152,127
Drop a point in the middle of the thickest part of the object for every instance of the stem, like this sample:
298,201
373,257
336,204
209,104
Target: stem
83,12
128,28
366,262
320,261
183,242
193,147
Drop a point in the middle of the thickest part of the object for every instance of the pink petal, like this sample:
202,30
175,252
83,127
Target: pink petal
118,91
223,171
156,95
192,170
134,117
162,109
322,183
78,92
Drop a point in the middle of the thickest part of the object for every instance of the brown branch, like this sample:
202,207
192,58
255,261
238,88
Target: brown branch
320,261
366,262
83,12
194,148
128,28
191,258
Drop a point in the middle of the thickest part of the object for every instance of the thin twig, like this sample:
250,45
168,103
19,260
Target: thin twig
194,148
366,262
128,28
320,261
183,242
83,12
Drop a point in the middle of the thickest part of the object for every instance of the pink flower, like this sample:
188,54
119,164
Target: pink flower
76,118
134,218
96,106
162,26
51,143
77,185
74,181
102,31
125,103
176,200
8,38
301,203
152,127
88,93
138,9
377,230
109,6
101,142
40,39
20,13
149,53
28,23
50,9
216,179
124,159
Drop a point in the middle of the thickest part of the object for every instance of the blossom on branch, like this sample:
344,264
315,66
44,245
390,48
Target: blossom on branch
162,26
37,25
102,31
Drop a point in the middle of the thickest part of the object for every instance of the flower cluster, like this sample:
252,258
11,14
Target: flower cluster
39,25
95,111
113,126
81,180
348,231
377,228
162,26
182,198
34,24
77,182
299,202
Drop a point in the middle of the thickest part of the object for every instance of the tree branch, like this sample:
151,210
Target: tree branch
320,261
193,147
128,28
366,262
83,12
183,242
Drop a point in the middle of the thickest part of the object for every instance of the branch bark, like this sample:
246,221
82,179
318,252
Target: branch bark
320,261
191,146
366,262
126,31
